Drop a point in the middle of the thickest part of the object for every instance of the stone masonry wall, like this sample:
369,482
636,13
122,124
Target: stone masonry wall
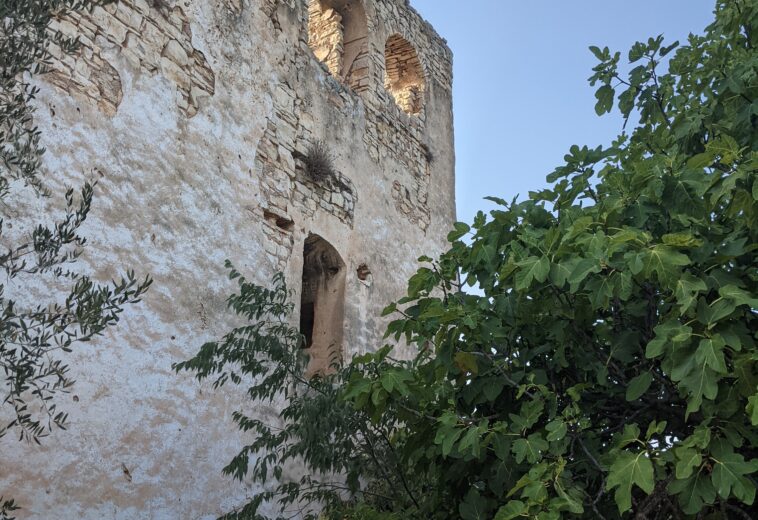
326,37
404,77
151,38
195,116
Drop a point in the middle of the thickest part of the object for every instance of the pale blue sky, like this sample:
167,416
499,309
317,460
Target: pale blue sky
521,93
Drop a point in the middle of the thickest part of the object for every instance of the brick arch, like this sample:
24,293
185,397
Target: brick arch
338,36
404,74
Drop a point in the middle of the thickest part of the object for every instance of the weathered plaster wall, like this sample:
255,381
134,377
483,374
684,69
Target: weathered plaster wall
195,116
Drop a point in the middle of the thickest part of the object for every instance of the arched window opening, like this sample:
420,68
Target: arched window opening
338,36
322,304
404,76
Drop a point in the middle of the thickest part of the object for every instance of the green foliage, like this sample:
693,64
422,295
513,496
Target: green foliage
6,508
37,331
317,427
24,47
606,365
34,336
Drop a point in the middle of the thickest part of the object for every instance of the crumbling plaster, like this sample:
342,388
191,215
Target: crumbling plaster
194,171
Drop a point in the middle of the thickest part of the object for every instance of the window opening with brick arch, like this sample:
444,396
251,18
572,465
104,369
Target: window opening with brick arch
322,304
338,36
404,74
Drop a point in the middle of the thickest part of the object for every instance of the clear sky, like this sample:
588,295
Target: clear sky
521,93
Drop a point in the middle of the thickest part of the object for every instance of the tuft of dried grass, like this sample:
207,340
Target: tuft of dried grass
319,165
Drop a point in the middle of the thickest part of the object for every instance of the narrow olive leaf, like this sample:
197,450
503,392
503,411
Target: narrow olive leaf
53,307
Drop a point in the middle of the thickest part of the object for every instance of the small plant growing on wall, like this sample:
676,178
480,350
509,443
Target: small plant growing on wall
319,164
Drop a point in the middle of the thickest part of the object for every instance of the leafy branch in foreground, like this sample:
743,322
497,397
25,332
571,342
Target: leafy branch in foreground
338,444
6,508
34,339
25,41
609,367
38,327
35,335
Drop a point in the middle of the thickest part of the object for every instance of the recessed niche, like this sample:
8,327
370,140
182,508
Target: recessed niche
404,75
338,36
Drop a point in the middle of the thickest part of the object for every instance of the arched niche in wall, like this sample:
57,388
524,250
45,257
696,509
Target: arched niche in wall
322,303
338,36
404,74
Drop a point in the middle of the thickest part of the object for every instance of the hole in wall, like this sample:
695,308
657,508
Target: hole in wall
322,304
363,272
365,277
404,75
338,36
281,222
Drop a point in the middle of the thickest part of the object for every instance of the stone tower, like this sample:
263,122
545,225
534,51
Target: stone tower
197,118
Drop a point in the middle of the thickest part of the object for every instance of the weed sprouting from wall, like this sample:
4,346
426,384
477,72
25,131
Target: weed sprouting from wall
319,164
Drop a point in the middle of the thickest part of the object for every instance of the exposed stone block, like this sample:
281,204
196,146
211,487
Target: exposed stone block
176,53
147,43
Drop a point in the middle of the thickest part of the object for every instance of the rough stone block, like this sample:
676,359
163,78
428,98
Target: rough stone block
176,53
175,73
